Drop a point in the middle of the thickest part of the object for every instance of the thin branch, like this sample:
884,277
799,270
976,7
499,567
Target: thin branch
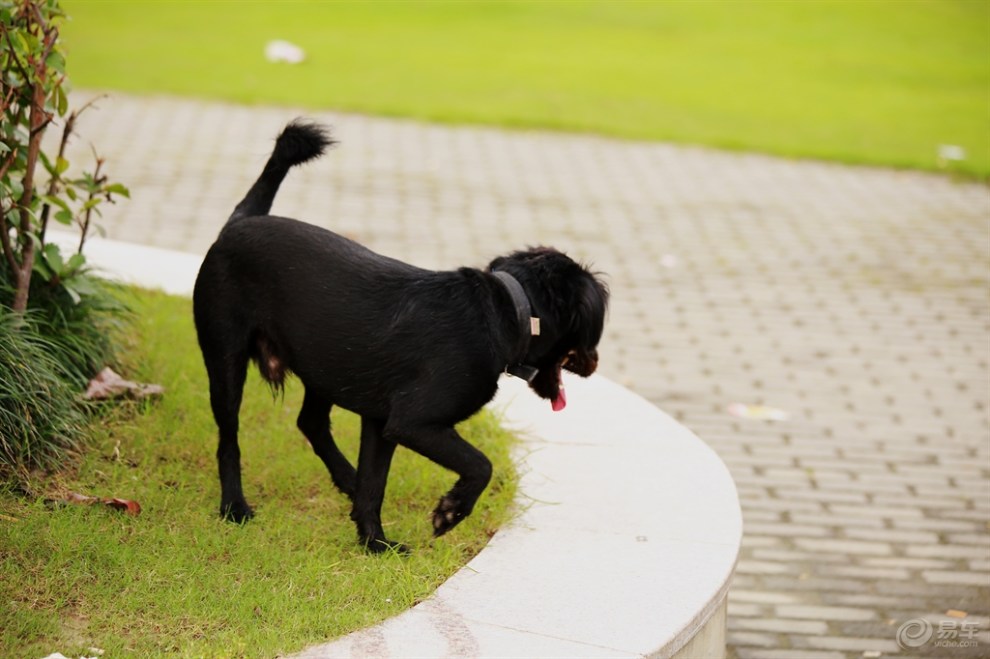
84,228
8,162
56,180
13,54
8,250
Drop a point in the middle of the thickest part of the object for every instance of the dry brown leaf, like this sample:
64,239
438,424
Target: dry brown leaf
108,384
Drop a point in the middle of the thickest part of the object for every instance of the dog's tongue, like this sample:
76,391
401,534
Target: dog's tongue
560,401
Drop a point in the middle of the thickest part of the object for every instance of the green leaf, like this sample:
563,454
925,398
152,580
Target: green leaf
56,61
83,285
53,200
16,189
61,100
54,257
46,162
118,188
76,261
76,298
42,269
61,164
64,217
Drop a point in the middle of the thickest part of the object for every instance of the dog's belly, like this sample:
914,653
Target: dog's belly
371,379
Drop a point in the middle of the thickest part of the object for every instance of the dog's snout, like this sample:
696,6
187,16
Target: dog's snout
583,363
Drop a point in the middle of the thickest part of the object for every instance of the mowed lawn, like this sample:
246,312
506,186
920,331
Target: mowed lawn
862,82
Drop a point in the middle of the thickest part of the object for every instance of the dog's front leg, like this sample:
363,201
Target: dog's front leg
448,449
374,460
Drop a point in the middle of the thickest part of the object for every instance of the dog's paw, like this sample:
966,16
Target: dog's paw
447,515
383,546
236,511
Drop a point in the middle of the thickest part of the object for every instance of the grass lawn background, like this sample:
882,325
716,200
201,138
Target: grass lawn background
176,579
862,82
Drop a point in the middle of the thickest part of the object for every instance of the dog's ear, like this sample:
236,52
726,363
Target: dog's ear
589,309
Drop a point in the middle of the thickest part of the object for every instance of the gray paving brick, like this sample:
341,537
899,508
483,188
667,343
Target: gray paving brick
797,556
744,610
834,520
854,298
946,551
845,547
885,512
760,597
824,612
930,524
891,535
748,566
784,529
870,573
780,625
848,644
962,578
753,638
790,653
907,563
981,539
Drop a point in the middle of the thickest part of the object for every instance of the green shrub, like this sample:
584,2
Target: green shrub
80,335
40,419
55,318
47,357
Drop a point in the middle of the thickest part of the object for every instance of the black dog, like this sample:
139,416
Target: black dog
412,351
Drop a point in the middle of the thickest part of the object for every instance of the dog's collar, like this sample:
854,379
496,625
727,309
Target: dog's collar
529,326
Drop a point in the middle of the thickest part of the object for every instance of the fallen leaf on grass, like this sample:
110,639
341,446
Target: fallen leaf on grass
108,384
124,505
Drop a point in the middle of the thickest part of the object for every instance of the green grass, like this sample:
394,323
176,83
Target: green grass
176,578
861,82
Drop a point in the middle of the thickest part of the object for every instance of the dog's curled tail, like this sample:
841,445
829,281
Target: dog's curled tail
299,141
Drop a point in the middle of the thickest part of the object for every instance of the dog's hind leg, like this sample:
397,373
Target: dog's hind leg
449,450
374,461
314,422
226,388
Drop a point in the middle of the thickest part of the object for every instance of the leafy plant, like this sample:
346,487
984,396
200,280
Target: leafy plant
54,315
33,95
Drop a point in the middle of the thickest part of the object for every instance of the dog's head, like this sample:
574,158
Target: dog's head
571,302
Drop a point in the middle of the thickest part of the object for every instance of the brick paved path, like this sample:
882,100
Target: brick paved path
856,300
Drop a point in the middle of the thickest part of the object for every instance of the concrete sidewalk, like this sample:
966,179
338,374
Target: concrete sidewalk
854,300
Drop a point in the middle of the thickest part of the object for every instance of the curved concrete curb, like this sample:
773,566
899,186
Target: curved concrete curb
626,547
